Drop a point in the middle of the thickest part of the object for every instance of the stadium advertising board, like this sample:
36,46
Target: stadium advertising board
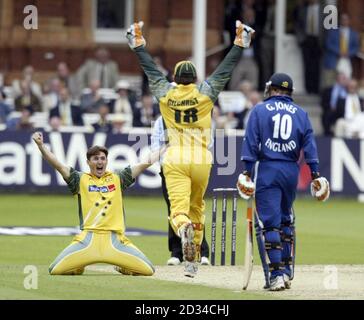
23,170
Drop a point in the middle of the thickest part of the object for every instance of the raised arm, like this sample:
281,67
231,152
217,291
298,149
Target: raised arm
129,174
158,83
145,163
217,81
50,157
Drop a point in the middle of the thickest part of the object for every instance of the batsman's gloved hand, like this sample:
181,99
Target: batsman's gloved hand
243,34
320,188
245,185
135,36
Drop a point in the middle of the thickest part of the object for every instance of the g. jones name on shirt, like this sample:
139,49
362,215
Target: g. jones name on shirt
281,106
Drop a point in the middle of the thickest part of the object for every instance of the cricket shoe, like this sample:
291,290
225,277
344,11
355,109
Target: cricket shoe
190,269
173,261
188,247
287,281
277,284
205,261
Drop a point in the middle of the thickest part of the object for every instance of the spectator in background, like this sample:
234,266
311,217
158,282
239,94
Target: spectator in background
28,74
100,68
146,113
329,102
341,45
103,125
308,21
233,119
253,98
92,100
267,43
232,13
5,109
67,80
159,63
260,10
361,89
246,87
22,123
55,124
247,67
118,122
349,113
70,115
27,98
51,90
124,104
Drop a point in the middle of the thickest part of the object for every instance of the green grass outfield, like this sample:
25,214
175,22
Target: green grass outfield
327,233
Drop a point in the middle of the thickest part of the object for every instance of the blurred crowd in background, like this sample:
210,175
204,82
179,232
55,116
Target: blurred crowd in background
98,98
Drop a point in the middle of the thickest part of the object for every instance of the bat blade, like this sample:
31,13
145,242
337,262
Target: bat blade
249,259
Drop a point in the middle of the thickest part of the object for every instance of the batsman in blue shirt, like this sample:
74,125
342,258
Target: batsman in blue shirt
277,131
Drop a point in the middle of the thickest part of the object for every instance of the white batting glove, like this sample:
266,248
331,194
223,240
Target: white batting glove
135,36
243,35
320,189
246,186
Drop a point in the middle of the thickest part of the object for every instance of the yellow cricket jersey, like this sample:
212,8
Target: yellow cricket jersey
187,116
100,199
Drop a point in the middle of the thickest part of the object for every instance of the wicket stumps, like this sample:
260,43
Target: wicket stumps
224,192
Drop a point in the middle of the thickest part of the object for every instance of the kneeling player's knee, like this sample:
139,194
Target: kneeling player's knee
59,272
147,271
150,272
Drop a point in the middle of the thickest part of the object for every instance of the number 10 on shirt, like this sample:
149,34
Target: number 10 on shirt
282,126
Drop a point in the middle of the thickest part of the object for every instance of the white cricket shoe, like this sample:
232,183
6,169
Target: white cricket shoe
173,261
205,261
277,284
190,269
188,247
287,281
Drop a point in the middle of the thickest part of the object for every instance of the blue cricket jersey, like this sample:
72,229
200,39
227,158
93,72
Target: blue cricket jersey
278,129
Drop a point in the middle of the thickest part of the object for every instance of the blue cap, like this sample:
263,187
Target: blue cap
281,81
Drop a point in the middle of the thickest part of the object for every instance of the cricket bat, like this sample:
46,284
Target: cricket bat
248,261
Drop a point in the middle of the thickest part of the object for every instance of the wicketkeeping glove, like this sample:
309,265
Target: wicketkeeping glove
320,189
135,36
243,34
246,186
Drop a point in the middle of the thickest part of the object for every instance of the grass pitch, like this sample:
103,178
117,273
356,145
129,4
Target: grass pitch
327,234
